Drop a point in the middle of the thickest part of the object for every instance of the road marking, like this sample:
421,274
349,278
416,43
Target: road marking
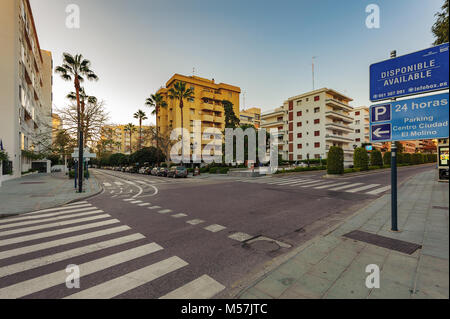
128,199
136,201
62,208
129,182
114,196
117,286
165,211
31,222
215,228
30,286
73,221
20,218
107,184
362,188
293,182
179,215
144,204
315,184
141,182
59,242
154,207
240,236
118,183
304,183
72,253
76,203
379,190
345,187
329,185
203,287
195,221
20,239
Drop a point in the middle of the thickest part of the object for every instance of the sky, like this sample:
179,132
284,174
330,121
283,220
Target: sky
264,47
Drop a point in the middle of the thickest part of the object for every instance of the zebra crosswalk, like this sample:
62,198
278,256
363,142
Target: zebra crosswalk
28,243
320,184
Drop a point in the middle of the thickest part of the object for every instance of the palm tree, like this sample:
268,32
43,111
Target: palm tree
179,92
157,102
142,117
130,128
77,68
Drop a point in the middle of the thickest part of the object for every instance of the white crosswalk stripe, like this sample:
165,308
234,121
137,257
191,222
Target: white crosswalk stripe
118,183
76,203
379,190
345,187
29,217
131,280
203,287
57,209
329,185
362,188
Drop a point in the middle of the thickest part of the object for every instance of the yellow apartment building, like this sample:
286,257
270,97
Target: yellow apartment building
57,126
121,138
251,116
206,106
25,86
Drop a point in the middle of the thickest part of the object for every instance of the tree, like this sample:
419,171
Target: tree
231,120
130,128
77,68
440,28
146,155
142,117
179,92
64,143
157,102
118,159
361,159
335,160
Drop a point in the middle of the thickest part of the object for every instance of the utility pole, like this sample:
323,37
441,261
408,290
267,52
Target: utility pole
394,226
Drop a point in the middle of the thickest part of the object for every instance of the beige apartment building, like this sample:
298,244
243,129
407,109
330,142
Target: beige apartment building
251,116
360,125
121,138
276,119
25,86
206,106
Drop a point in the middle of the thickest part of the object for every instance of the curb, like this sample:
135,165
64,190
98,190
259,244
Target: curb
373,171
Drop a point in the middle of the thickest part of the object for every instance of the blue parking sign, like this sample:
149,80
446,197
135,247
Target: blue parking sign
381,132
381,113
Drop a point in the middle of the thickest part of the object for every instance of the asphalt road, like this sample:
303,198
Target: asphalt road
152,237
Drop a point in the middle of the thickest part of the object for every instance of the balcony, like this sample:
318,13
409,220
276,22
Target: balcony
206,106
207,118
338,138
346,150
212,95
339,127
339,116
338,105
272,123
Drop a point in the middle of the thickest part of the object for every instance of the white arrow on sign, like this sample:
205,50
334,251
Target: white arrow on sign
378,133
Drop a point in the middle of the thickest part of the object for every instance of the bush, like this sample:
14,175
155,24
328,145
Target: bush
387,158
72,174
204,170
361,159
407,159
213,170
224,170
375,158
401,158
416,159
335,160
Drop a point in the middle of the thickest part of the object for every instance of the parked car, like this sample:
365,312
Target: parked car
154,171
162,171
142,170
177,171
147,170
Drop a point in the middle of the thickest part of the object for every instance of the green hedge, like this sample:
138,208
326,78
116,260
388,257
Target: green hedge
301,169
72,174
376,158
361,159
335,160
213,170
387,158
224,170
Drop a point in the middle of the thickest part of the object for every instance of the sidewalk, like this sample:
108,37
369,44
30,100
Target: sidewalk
41,191
333,266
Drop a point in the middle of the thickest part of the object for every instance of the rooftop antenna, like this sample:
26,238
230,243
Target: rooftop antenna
193,71
243,96
313,71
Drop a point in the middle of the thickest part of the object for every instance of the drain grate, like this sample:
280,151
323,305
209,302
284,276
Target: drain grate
440,207
385,242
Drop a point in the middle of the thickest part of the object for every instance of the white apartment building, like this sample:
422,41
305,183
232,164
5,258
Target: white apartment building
360,125
276,119
25,86
315,121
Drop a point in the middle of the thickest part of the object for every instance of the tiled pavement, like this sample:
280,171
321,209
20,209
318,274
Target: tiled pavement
332,266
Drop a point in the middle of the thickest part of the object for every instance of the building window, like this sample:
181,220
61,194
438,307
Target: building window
357,113
357,131
280,128
279,119
316,98
299,113
358,140
357,122
317,110
299,135
317,156
299,124
299,157
317,133
291,105
299,145
192,112
317,121
317,145
299,102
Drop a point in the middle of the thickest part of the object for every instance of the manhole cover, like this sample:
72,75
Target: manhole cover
266,246
385,242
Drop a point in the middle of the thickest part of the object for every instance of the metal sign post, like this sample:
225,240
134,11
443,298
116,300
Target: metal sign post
394,226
